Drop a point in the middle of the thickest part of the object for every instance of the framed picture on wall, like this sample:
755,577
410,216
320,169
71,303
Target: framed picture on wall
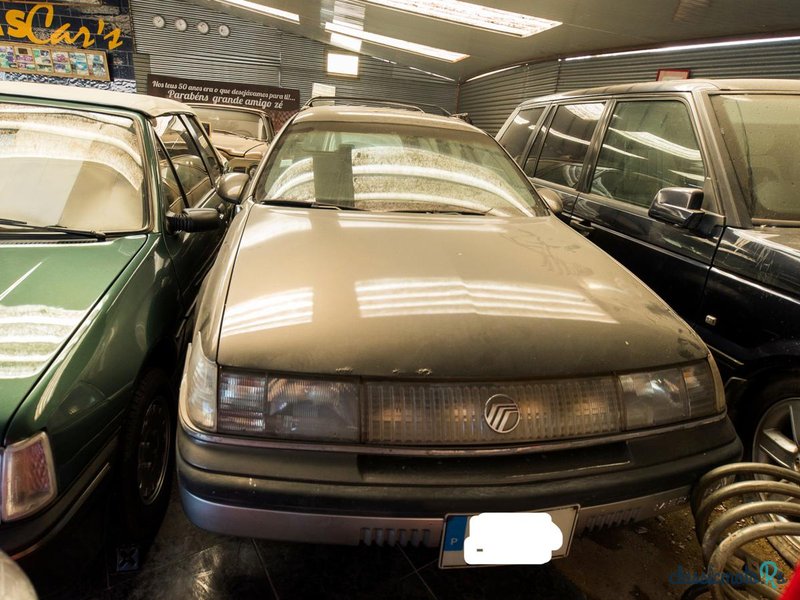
670,74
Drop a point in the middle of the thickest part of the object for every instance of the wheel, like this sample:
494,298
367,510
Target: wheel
146,459
775,439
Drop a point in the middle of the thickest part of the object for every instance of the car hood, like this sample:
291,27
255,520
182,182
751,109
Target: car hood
380,295
46,291
234,145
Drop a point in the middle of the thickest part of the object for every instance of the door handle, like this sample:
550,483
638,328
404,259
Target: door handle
584,227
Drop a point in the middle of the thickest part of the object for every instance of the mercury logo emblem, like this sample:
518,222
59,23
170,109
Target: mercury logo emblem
501,413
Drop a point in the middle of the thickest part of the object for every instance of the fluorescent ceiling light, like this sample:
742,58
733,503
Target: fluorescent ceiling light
390,42
482,75
342,64
346,42
667,49
473,15
264,10
432,74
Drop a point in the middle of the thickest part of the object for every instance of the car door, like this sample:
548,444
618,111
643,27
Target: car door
189,171
649,145
556,158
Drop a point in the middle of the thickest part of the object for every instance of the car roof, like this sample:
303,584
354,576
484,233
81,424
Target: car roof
680,85
150,106
373,114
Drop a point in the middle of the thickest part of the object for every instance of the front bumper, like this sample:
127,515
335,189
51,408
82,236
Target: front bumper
345,498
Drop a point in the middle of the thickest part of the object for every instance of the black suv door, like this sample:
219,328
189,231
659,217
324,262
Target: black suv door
556,159
649,145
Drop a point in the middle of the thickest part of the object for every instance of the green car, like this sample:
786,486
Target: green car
110,217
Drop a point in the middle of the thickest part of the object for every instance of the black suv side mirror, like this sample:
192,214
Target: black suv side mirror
231,185
192,220
678,206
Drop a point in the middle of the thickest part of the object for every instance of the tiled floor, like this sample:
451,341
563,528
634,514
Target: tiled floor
186,562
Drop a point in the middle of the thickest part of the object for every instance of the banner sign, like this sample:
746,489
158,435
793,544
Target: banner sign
264,97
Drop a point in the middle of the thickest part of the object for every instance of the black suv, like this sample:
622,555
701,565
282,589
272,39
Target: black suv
695,187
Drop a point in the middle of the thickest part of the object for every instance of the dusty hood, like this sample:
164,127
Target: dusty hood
234,145
320,291
46,290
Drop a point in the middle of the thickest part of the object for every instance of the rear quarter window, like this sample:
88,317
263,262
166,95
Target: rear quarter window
523,125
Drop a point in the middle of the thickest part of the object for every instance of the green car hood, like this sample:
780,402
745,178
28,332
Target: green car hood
46,291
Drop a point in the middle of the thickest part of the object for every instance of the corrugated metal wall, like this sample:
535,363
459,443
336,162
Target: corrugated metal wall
259,54
303,63
251,54
489,100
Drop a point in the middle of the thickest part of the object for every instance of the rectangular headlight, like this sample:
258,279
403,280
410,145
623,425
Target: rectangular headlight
288,408
199,386
29,478
653,398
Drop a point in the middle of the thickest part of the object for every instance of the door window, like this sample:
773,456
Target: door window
186,157
649,145
566,144
205,147
516,136
171,192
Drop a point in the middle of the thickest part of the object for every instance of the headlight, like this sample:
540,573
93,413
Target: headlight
29,478
199,386
670,395
288,408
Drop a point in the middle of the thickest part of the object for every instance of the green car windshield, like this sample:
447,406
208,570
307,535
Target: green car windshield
74,169
388,167
762,137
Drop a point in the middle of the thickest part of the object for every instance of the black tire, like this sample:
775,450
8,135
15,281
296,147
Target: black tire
771,412
147,437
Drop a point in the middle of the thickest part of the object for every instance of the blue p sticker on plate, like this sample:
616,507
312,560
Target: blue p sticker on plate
507,538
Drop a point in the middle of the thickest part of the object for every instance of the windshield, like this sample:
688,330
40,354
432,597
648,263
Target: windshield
75,169
761,134
237,122
387,167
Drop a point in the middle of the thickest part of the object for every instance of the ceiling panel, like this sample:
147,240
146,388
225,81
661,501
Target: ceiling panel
588,26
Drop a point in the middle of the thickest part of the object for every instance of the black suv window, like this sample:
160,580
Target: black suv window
515,137
760,132
649,145
566,144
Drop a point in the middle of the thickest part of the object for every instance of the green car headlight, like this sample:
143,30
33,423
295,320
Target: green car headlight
29,478
288,408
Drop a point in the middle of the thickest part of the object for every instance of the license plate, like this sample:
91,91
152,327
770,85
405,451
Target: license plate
507,538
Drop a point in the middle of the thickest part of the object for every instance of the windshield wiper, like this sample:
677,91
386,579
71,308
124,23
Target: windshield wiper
307,204
442,211
98,235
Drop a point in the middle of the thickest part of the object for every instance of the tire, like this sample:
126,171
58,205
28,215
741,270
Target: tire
146,460
768,429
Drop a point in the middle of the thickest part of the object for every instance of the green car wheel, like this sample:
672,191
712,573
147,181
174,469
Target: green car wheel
146,458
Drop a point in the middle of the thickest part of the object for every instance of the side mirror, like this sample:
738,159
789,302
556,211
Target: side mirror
193,220
678,206
552,199
231,185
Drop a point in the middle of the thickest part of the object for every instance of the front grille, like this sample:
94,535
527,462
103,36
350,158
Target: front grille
453,414
397,537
